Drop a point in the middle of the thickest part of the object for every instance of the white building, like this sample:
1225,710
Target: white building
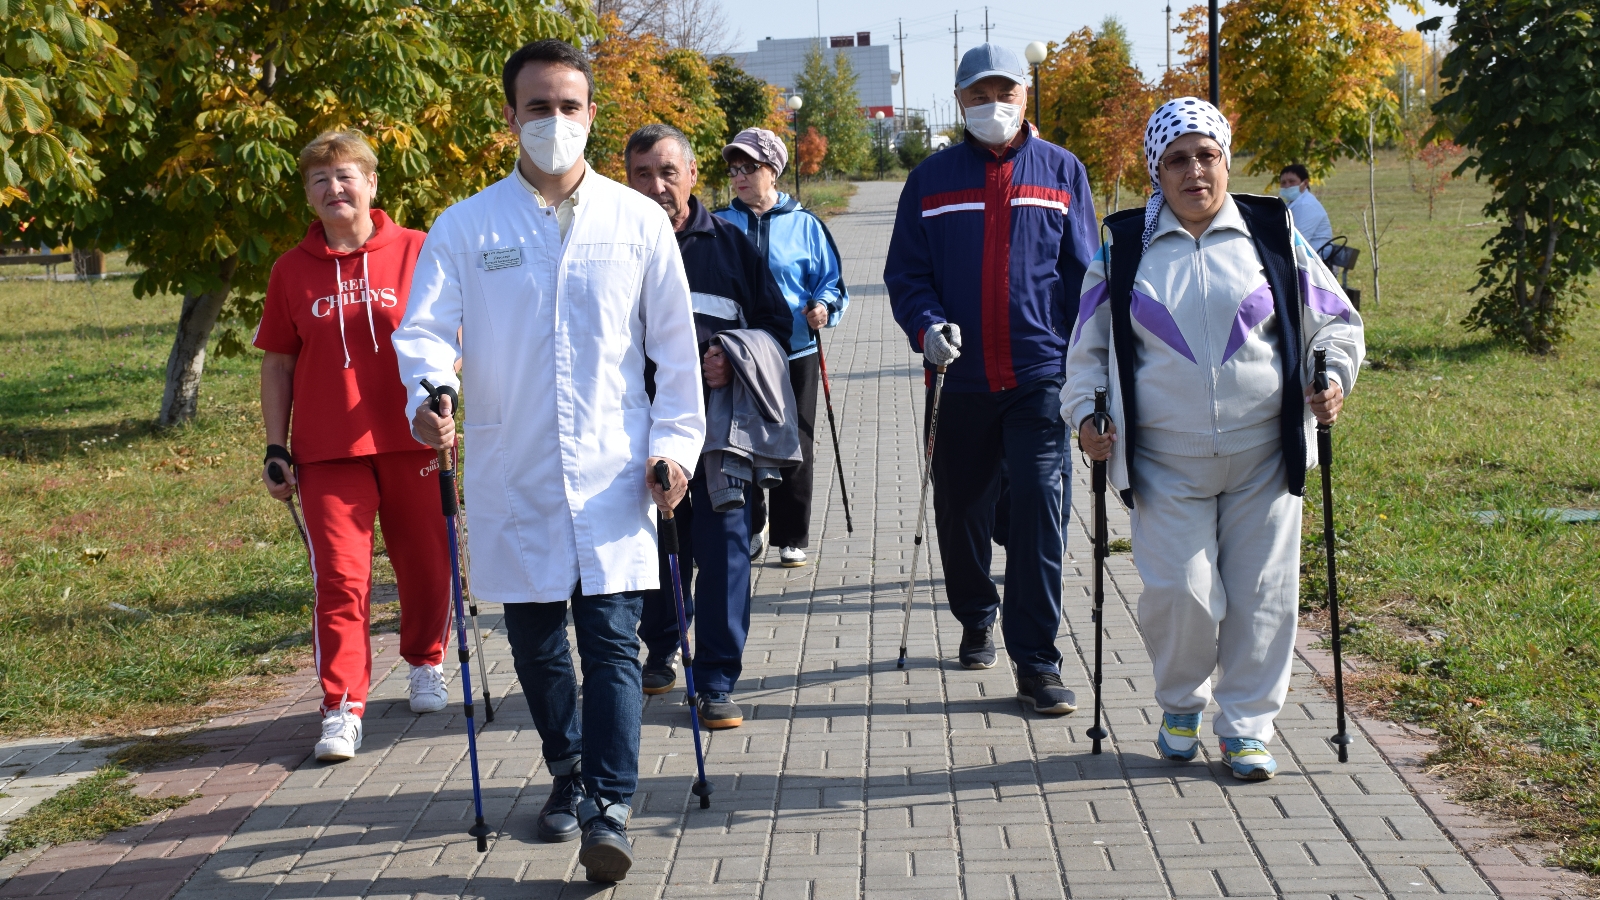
780,62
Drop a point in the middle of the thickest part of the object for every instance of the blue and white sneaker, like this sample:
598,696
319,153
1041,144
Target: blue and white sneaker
1179,737
1249,759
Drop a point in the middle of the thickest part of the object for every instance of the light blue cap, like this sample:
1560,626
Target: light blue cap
985,60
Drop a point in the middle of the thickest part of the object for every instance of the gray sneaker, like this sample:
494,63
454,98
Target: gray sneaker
717,710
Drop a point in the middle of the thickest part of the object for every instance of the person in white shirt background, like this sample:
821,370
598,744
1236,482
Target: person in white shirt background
560,283
1310,219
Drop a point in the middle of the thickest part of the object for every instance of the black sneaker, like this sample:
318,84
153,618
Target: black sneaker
1046,694
606,853
558,820
977,648
717,710
659,676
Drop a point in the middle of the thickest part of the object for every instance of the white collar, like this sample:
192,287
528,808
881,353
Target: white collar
528,186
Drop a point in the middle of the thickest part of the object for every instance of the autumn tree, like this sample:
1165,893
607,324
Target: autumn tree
60,72
834,109
1521,84
1096,103
811,151
203,187
1299,78
641,80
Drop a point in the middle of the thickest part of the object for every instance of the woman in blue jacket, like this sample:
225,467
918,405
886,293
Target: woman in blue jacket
805,262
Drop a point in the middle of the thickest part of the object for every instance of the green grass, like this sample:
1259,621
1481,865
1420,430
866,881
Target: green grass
102,803
1490,634
207,574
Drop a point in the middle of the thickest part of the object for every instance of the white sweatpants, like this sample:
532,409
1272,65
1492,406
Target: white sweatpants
1217,542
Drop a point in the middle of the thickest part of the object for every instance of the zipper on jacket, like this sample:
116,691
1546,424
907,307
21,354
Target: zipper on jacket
1205,323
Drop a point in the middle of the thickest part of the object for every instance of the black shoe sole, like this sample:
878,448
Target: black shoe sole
605,863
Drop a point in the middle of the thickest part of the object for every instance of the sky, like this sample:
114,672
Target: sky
928,42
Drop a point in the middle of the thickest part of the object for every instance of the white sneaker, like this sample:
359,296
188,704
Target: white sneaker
341,734
791,557
427,689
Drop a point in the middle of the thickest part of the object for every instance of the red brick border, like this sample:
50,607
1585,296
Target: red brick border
252,753
1512,865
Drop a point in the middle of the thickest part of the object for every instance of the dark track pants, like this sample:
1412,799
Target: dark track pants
719,546
977,431
790,502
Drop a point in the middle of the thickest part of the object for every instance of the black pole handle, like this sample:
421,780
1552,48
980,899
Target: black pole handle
275,472
1319,378
669,528
447,472
1102,417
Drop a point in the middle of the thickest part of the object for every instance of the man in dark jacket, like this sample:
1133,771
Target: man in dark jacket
990,244
731,287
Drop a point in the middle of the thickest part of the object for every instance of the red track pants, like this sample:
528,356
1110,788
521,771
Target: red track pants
341,497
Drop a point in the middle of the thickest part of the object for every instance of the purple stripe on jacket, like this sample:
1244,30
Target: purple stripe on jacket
1254,309
1157,320
1321,299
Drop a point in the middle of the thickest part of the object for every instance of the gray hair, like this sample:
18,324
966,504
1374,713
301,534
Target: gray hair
643,140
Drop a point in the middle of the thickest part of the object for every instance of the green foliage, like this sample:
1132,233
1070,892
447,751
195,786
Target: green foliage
1522,86
746,102
834,109
202,185
913,150
60,72
102,803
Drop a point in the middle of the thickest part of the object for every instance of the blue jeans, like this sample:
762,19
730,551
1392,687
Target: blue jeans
606,735
719,546
977,431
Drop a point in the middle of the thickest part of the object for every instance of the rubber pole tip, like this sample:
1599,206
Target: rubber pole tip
901,664
1096,750
488,709
483,845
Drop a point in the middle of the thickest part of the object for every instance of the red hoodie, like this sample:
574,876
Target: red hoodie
335,311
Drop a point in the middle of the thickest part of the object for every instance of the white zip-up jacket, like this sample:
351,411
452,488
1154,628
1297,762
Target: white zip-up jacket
1210,376
554,338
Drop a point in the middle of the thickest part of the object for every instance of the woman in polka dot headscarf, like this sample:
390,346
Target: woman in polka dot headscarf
1208,445
1176,118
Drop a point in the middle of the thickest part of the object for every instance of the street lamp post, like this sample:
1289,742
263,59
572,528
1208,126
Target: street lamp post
1036,53
794,103
881,150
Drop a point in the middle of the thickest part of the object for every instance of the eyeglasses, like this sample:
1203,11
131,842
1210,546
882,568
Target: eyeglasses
746,169
1179,163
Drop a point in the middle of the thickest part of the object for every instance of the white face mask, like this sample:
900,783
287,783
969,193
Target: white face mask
554,144
1289,194
994,123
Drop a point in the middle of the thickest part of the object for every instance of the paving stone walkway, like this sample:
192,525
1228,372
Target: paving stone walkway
851,778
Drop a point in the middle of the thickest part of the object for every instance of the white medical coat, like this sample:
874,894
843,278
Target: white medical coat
558,425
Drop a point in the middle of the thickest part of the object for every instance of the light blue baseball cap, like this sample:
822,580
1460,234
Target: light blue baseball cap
986,60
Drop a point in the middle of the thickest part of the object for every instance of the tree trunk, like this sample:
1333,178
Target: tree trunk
181,399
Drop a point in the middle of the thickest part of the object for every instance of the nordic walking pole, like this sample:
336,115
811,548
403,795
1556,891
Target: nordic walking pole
447,500
827,397
277,476
922,509
1102,549
472,603
1341,738
669,543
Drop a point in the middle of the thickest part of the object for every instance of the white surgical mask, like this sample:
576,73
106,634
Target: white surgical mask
555,144
1289,194
994,123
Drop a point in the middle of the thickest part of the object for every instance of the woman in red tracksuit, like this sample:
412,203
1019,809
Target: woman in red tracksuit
332,303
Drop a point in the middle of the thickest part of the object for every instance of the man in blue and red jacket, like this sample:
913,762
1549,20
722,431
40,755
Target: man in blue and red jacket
990,246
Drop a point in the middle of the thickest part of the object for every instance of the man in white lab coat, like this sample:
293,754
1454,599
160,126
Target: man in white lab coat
562,282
